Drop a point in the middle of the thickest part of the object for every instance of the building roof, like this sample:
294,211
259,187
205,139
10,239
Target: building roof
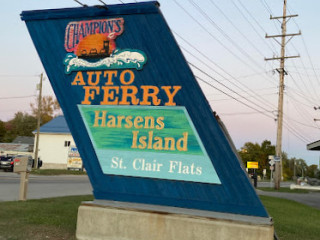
15,147
56,125
24,139
314,146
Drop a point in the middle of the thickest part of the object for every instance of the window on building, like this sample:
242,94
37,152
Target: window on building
67,143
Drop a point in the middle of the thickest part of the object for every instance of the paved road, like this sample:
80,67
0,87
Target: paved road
312,199
67,185
271,184
43,186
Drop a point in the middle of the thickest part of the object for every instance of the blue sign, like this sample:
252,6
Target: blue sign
142,125
276,159
155,142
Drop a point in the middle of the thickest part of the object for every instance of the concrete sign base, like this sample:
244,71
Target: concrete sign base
109,220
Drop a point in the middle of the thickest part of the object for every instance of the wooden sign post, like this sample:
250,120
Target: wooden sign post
23,165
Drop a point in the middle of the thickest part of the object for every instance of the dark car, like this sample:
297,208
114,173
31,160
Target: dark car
39,163
6,163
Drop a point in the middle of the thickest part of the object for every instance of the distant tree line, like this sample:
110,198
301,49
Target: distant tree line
23,124
292,167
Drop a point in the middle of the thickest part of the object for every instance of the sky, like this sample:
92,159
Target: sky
225,43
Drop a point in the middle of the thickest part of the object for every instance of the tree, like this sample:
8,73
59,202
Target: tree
301,167
21,125
24,124
292,167
2,131
312,171
288,166
257,153
49,109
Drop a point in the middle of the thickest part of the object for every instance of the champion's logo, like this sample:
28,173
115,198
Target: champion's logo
91,45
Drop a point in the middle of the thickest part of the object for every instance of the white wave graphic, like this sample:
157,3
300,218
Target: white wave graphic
119,59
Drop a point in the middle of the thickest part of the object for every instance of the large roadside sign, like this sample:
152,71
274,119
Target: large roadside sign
142,125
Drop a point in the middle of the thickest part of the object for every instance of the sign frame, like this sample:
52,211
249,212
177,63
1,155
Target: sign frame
235,193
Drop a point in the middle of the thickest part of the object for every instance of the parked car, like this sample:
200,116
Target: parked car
6,163
313,181
39,163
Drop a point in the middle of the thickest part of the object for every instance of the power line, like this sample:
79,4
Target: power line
216,26
286,125
303,124
254,74
83,5
294,129
232,77
237,28
308,68
264,102
308,77
215,38
254,19
11,111
310,61
6,98
17,76
238,113
206,30
296,134
312,66
225,78
304,97
243,103
254,29
265,4
103,2
230,90
301,74
308,54
267,7
293,98
303,115
224,99
301,80
257,90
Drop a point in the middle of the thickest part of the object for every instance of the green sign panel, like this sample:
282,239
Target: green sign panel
148,141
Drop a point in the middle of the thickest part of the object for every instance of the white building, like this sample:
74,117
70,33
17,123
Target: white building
54,142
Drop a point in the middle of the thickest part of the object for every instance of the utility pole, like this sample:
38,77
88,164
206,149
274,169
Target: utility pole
38,122
285,18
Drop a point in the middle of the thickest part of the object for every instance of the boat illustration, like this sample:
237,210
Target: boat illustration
94,53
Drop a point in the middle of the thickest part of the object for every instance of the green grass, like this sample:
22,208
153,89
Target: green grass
55,218
287,190
292,220
49,172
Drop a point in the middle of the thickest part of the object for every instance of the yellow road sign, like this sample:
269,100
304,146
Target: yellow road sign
252,165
